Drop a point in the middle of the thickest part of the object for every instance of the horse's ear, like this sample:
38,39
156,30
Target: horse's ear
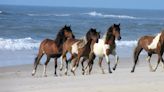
70,25
65,26
119,24
114,25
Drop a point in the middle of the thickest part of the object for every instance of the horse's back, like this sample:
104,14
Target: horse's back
68,43
48,46
144,41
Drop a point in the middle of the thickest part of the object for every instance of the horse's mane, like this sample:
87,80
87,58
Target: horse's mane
91,31
84,39
109,32
60,38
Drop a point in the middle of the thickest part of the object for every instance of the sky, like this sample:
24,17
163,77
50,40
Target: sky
126,4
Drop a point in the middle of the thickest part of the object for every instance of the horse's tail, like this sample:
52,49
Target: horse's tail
137,51
35,60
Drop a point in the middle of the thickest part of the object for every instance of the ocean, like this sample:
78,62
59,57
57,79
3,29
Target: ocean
22,28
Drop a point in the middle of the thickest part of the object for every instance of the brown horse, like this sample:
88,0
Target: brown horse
78,47
84,50
52,48
152,45
105,47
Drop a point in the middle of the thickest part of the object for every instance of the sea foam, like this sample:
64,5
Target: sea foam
18,44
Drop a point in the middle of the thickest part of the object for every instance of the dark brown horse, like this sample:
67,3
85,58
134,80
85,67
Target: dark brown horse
105,47
152,45
85,50
76,46
52,48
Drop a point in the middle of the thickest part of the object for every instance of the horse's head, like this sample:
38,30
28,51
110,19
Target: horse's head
67,32
92,34
115,29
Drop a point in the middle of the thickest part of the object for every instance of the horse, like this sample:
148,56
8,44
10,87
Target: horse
52,49
78,48
152,45
105,46
84,50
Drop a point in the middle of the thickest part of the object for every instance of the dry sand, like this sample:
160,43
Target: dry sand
19,79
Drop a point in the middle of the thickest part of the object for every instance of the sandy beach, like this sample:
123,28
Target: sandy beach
19,79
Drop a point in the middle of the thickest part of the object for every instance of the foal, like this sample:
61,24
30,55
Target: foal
52,48
105,47
152,45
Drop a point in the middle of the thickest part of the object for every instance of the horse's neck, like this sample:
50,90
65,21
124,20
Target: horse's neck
84,39
112,38
60,42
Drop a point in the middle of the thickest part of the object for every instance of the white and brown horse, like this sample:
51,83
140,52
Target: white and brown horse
78,48
152,45
106,46
52,48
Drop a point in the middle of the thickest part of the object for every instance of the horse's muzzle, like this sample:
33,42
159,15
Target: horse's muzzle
119,38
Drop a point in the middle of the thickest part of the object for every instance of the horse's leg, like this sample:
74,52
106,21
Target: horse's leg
90,63
162,61
116,59
107,60
148,59
75,64
82,64
55,63
63,60
37,60
137,51
100,64
66,69
159,58
45,66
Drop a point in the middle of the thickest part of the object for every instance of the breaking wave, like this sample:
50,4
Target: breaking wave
94,13
18,44
29,43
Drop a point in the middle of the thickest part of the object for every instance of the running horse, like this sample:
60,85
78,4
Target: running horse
79,48
106,46
152,45
52,48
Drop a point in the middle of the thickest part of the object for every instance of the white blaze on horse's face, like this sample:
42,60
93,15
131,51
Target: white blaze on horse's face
155,41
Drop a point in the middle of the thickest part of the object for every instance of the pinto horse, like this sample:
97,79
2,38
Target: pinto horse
85,50
78,48
52,48
106,46
152,45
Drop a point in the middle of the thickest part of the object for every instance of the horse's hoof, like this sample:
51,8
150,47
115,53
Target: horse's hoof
73,72
132,71
114,68
65,73
103,72
32,74
61,69
110,72
83,73
152,70
55,75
